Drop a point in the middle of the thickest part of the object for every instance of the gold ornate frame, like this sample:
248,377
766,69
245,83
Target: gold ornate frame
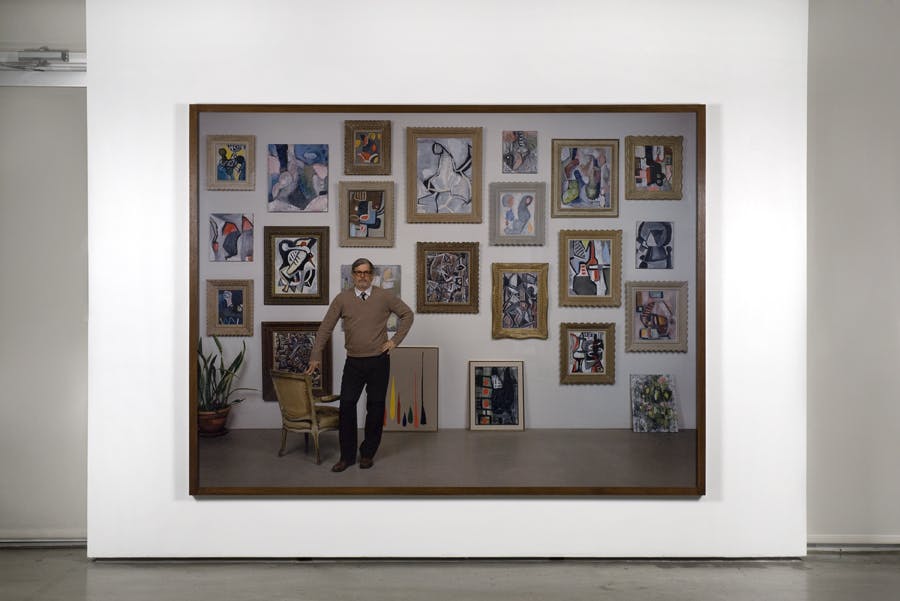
613,298
632,191
413,134
216,141
608,375
213,327
557,208
497,328
380,128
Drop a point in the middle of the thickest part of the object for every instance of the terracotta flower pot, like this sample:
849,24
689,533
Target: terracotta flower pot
212,423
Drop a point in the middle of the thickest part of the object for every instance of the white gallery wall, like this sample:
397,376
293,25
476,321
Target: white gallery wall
854,215
747,62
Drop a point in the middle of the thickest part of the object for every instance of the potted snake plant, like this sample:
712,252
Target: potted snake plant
215,387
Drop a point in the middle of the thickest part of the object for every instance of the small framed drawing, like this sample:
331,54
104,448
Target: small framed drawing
496,395
583,178
229,307
653,169
367,213
587,353
517,213
412,398
519,300
653,403
298,178
230,162
286,346
443,174
230,237
654,244
296,265
447,277
386,277
590,268
656,316
367,147
520,152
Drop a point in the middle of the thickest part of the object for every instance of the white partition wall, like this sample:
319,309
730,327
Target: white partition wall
746,62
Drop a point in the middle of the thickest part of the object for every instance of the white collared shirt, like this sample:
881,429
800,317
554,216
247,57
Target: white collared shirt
359,292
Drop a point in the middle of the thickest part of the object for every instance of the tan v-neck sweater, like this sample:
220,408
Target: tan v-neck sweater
365,322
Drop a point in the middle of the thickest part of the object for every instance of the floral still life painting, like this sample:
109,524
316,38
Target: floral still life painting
653,403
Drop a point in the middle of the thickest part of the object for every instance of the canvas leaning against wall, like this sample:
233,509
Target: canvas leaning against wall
585,223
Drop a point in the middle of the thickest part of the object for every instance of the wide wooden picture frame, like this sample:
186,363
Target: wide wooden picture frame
366,215
367,147
443,174
496,395
447,277
653,167
590,268
286,347
519,300
296,265
656,317
464,158
587,353
230,162
229,307
585,178
517,213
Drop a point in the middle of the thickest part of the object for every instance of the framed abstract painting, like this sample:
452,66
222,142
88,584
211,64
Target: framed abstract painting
519,300
587,353
296,265
286,346
298,178
229,307
366,213
230,162
590,268
656,316
517,213
230,237
496,395
443,174
447,277
367,147
653,167
584,178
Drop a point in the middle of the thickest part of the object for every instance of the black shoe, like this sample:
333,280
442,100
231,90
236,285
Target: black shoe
340,466
365,463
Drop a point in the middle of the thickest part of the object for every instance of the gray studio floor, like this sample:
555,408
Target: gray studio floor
66,574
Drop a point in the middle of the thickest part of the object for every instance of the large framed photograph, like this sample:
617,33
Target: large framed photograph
366,213
590,268
454,162
296,265
496,395
519,300
517,213
367,147
656,316
229,307
298,178
230,162
653,167
412,397
447,277
584,178
287,346
587,353
443,174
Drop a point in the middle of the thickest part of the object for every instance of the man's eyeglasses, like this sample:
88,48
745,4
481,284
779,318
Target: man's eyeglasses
361,273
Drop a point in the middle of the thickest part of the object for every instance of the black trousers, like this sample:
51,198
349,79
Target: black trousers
371,373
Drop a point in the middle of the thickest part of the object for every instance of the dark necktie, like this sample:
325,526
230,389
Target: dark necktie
362,295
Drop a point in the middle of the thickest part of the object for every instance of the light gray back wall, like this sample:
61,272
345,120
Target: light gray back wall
43,346
853,409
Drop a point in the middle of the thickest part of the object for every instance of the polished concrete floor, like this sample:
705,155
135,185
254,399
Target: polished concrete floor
66,574
456,458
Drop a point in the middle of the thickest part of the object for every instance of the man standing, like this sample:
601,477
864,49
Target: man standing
365,310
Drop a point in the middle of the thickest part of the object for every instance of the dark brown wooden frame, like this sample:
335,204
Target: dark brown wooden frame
699,487
270,232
